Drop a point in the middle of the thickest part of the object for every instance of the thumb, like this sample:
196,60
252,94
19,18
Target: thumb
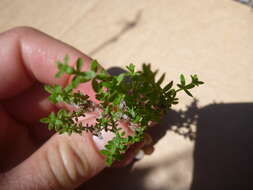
64,162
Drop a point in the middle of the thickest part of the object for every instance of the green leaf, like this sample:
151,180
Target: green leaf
61,113
108,146
44,120
57,89
59,74
120,78
131,68
66,59
113,96
88,76
173,93
69,87
69,70
95,85
107,84
195,80
59,98
195,77
64,68
201,82
52,98
190,86
49,89
105,152
175,102
94,65
188,92
180,86
159,82
109,160
102,75
79,64
50,126
52,116
117,100
182,79
168,86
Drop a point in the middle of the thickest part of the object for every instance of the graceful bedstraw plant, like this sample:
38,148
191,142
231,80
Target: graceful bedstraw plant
134,96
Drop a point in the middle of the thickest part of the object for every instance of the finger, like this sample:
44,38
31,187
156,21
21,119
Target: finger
28,56
30,105
64,162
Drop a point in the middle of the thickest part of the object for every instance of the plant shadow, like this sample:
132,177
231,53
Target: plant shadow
222,153
223,147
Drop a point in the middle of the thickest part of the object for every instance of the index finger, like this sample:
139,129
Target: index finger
28,57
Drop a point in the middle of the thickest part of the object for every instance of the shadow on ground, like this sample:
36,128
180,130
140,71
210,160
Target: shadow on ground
128,25
223,151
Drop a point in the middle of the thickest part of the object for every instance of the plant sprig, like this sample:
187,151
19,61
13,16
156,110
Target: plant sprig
134,96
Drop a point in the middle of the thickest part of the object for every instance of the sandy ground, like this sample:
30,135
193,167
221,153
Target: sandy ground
213,38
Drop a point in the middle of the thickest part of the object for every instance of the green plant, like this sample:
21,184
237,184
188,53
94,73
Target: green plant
134,96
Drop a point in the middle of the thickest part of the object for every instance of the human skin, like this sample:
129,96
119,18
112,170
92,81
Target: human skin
31,156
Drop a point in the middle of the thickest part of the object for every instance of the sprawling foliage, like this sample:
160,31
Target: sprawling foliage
134,96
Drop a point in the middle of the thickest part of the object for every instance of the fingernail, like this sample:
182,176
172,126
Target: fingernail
101,141
104,137
147,139
140,154
148,150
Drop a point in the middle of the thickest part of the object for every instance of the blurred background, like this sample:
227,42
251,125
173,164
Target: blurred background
204,143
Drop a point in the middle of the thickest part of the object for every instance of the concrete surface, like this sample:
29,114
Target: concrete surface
213,38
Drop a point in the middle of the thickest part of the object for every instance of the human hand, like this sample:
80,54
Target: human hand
63,162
